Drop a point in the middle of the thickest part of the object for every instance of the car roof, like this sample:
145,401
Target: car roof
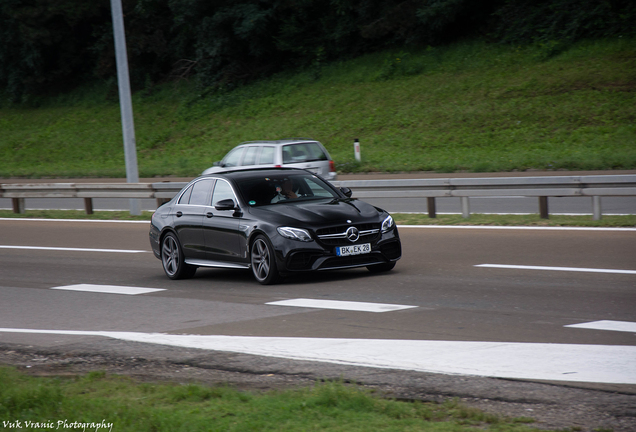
242,173
280,142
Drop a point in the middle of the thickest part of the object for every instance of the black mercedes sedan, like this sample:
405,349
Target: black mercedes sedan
273,221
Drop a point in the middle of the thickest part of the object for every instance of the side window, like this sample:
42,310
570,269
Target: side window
233,158
267,155
287,155
250,156
318,190
185,198
222,190
201,192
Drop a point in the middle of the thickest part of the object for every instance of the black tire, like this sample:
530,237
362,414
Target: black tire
263,261
379,268
173,260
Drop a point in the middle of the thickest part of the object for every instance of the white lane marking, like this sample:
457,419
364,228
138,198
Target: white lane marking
340,305
570,269
623,326
108,289
76,220
73,249
612,364
491,227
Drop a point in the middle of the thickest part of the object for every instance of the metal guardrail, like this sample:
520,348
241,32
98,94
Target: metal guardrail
594,186
464,188
88,191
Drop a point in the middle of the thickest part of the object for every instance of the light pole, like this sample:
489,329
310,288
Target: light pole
125,101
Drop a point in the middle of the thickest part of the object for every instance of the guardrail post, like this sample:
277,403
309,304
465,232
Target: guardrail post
465,208
18,205
596,207
88,205
543,207
430,204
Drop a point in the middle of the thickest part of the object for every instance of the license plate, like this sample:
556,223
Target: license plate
353,250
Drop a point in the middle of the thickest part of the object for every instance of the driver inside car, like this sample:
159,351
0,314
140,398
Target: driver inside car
285,192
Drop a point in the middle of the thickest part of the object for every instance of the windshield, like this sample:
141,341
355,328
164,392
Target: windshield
279,189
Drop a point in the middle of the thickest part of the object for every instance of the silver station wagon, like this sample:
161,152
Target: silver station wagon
290,153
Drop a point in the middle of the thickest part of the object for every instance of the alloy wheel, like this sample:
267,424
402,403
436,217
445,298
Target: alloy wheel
170,256
261,260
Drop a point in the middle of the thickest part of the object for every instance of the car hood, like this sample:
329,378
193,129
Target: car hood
323,212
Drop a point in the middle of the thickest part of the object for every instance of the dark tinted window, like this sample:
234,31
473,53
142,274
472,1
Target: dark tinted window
222,190
201,192
185,198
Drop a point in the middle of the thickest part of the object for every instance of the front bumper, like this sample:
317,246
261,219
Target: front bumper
384,250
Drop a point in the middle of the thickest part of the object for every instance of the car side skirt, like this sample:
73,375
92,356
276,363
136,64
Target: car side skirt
221,264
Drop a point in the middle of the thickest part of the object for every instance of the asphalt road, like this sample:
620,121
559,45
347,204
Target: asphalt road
454,300
465,328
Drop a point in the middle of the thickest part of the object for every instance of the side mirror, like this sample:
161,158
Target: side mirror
346,191
226,204
217,163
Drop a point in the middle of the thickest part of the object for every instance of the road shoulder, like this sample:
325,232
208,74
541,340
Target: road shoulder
552,405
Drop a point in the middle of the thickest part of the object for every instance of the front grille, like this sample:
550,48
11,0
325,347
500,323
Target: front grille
343,228
338,235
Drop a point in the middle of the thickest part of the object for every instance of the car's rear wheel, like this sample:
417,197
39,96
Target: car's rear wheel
263,261
173,259
378,268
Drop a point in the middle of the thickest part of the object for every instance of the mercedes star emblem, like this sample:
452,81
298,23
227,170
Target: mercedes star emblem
353,234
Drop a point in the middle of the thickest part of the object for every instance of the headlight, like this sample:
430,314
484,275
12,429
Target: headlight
387,224
295,233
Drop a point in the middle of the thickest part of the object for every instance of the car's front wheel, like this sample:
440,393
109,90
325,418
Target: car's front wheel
263,261
173,259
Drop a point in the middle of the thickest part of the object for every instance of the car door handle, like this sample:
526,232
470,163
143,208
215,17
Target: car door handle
209,214
179,214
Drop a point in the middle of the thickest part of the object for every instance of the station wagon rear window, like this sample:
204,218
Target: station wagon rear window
303,152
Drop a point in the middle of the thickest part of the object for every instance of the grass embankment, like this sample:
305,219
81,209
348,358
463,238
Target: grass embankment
472,106
400,218
119,402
